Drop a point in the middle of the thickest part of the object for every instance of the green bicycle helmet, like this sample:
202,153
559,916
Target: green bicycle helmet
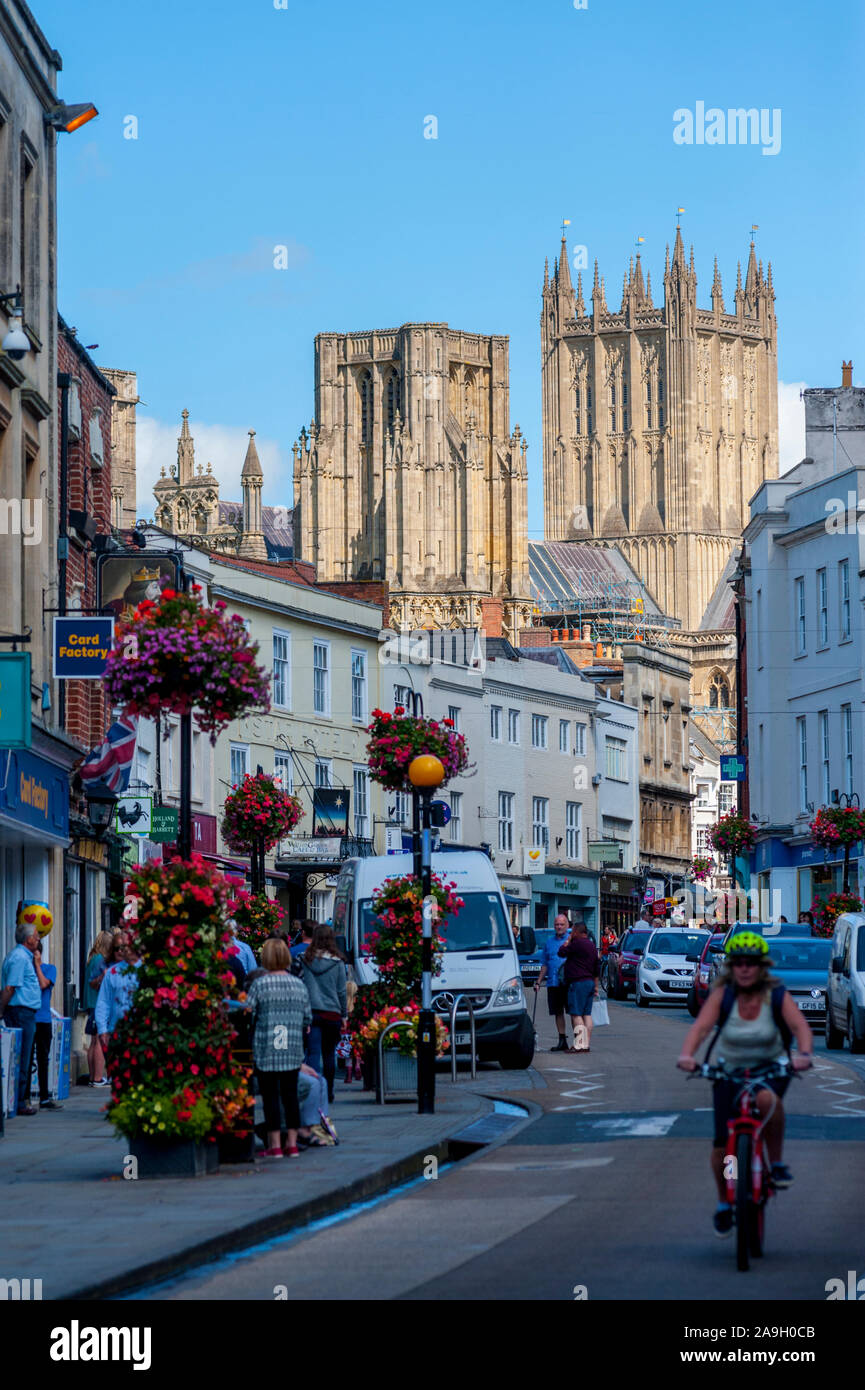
747,943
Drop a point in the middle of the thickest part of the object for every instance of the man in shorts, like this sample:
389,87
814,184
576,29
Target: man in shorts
551,973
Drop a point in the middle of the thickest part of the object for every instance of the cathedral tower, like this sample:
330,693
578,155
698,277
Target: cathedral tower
409,473
660,422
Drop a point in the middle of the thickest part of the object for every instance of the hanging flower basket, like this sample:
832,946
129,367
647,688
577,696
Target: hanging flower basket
396,739
257,917
702,866
827,911
732,834
833,827
258,809
175,655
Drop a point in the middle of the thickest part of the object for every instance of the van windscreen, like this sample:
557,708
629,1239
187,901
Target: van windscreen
479,925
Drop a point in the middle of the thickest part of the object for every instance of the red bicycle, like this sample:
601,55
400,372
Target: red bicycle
745,1166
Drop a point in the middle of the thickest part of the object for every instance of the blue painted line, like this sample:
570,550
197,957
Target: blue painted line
506,1107
276,1242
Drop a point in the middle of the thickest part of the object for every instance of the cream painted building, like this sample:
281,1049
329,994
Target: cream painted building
410,473
660,421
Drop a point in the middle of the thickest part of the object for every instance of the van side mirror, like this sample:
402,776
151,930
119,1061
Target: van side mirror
527,942
341,945
837,965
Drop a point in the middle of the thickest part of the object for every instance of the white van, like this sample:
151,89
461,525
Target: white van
480,955
845,989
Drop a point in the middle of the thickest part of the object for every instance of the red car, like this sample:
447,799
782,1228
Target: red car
699,991
622,961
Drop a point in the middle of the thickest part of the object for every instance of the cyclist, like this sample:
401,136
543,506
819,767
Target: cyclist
755,1019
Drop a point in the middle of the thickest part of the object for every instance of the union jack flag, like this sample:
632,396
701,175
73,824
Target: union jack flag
111,762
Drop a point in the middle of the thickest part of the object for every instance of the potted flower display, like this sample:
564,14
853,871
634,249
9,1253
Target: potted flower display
826,911
176,1089
399,1047
396,949
258,812
175,655
396,739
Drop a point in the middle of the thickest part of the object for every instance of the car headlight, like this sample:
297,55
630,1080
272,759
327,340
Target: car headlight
652,964
511,992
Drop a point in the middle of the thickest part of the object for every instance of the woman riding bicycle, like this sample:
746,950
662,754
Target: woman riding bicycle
759,1011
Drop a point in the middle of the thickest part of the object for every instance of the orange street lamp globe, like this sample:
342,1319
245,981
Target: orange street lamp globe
426,771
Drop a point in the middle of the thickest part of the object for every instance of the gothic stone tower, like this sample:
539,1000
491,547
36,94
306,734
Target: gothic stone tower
409,473
659,422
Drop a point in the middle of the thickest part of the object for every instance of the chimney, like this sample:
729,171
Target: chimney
846,373
492,617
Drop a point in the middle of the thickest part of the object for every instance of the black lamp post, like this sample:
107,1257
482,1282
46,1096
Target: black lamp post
848,800
256,857
426,773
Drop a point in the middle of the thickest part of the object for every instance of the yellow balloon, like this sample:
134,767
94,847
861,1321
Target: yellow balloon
34,913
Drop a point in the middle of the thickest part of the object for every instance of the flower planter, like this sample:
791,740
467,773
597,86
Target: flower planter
234,1148
180,1158
399,1081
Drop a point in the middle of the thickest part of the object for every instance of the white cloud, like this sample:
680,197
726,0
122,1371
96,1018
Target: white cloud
222,446
791,424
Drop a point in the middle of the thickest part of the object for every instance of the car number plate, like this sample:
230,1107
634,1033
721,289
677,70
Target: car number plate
679,984
811,1004
462,1039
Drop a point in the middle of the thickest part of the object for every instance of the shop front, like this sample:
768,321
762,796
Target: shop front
34,832
620,901
571,893
518,896
791,877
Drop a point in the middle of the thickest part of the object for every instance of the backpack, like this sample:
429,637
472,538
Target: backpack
729,1000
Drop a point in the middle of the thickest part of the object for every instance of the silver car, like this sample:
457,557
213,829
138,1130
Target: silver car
665,971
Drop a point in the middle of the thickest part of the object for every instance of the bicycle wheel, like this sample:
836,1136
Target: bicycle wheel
743,1200
757,1229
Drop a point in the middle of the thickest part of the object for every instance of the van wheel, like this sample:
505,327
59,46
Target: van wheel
856,1044
834,1036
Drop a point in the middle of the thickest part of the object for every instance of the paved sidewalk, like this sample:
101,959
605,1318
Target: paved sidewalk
69,1218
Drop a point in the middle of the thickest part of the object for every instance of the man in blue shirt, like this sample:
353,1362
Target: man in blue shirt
306,930
47,976
243,952
116,991
551,968
20,997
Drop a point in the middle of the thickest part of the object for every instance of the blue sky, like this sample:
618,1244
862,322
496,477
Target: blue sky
304,127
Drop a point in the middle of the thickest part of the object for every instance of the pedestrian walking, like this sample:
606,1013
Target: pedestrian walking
101,956
20,998
118,986
281,1012
551,975
241,952
324,974
302,938
581,974
47,977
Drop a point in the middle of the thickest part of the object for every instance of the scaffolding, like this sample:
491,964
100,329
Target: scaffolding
719,724
610,612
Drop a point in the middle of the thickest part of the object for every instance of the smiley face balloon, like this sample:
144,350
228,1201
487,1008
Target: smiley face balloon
37,914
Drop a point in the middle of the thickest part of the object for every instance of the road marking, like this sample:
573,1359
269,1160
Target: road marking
553,1165
585,1083
636,1126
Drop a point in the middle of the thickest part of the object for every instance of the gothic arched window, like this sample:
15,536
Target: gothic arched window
392,398
719,692
365,385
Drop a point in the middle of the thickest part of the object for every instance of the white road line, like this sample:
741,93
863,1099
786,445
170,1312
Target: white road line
554,1164
637,1126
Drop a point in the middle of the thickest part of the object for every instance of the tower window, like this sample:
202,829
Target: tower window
660,388
366,408
648,417
394,405
624,393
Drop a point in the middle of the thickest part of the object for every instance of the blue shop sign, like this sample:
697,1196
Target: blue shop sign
34,793
81,647
777,854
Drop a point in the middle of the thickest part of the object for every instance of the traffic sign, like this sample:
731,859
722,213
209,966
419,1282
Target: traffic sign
440,814
81,647
733,767
15,727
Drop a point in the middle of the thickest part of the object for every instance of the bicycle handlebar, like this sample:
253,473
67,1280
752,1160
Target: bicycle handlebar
771,1071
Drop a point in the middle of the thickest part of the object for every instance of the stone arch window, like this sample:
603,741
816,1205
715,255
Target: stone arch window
469,397
201,520
393,401
366,407
719,691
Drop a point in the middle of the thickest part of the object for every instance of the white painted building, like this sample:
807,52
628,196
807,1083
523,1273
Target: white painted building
803,561
712,799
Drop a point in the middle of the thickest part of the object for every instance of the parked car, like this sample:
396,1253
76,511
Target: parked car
845,987
530,944
802,964
700,986
622,961
666,970
772,931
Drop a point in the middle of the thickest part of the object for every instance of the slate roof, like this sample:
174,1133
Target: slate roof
277,524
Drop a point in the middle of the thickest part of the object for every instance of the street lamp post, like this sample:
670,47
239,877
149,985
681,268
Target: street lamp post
846,799
426,773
